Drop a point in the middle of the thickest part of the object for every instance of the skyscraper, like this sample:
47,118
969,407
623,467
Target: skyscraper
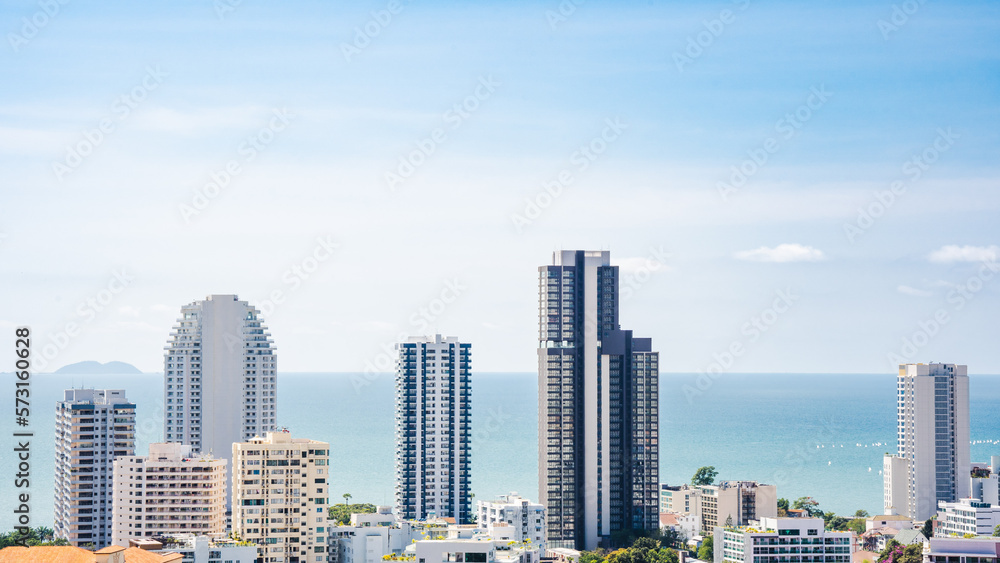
93,427
932,463
434,428
219,377
598,407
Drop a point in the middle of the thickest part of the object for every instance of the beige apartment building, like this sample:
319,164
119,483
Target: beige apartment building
170,491
280,496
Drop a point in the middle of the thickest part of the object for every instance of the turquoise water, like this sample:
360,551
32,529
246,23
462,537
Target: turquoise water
749,426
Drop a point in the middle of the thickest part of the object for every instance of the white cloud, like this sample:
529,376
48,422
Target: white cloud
913,292
955,253
782,253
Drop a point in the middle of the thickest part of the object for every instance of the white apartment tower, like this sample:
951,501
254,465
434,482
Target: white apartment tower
168,492
525,517
93,427
280,492
219,371
433,428
933,435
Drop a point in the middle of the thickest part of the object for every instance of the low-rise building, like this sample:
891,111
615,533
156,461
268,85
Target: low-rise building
779,540
170,491
526,517
968,516
875,540
473,550
910,537
200,549
686,525
368,538
735,503
895,521
962,550
985,481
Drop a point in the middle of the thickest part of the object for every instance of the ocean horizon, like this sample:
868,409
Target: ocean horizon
818,434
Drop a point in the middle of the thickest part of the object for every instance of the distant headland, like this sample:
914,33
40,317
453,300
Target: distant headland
97,368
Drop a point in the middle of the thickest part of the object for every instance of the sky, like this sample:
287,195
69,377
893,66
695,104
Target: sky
786,186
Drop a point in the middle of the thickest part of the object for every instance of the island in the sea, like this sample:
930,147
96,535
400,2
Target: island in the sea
97,368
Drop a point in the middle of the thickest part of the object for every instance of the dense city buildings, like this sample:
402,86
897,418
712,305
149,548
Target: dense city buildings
280,496
598,409
734,503
170,491
782,540
219,377
933,440
433,428
525,517
93,426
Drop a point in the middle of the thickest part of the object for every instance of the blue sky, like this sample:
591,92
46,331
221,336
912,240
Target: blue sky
489,104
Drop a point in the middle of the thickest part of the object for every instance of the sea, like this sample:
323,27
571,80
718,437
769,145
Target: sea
817,435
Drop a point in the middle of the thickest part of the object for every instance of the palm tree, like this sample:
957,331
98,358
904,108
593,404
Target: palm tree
347,497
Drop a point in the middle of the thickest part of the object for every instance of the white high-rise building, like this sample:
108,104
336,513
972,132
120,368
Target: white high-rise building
434,428
219,383
933,435
281,495
526,518
93,427
170,491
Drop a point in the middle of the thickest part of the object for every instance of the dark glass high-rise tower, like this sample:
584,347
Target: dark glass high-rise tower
598,407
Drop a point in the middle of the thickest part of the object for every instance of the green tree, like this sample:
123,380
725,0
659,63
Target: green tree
928,528
342,512
837,523
808,504
996,531
591,557
670,537
645,543
896,552
861,514
706,551
783,507
704,475
856,525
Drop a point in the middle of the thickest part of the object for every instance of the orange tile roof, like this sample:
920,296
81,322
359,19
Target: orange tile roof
46,554
70,554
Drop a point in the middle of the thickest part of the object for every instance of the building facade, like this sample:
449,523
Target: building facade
219,384
984,482
168,492
93,427
434,428
962,550
779,540
933,439
527,518
280,492
734,503
598,407
968,516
